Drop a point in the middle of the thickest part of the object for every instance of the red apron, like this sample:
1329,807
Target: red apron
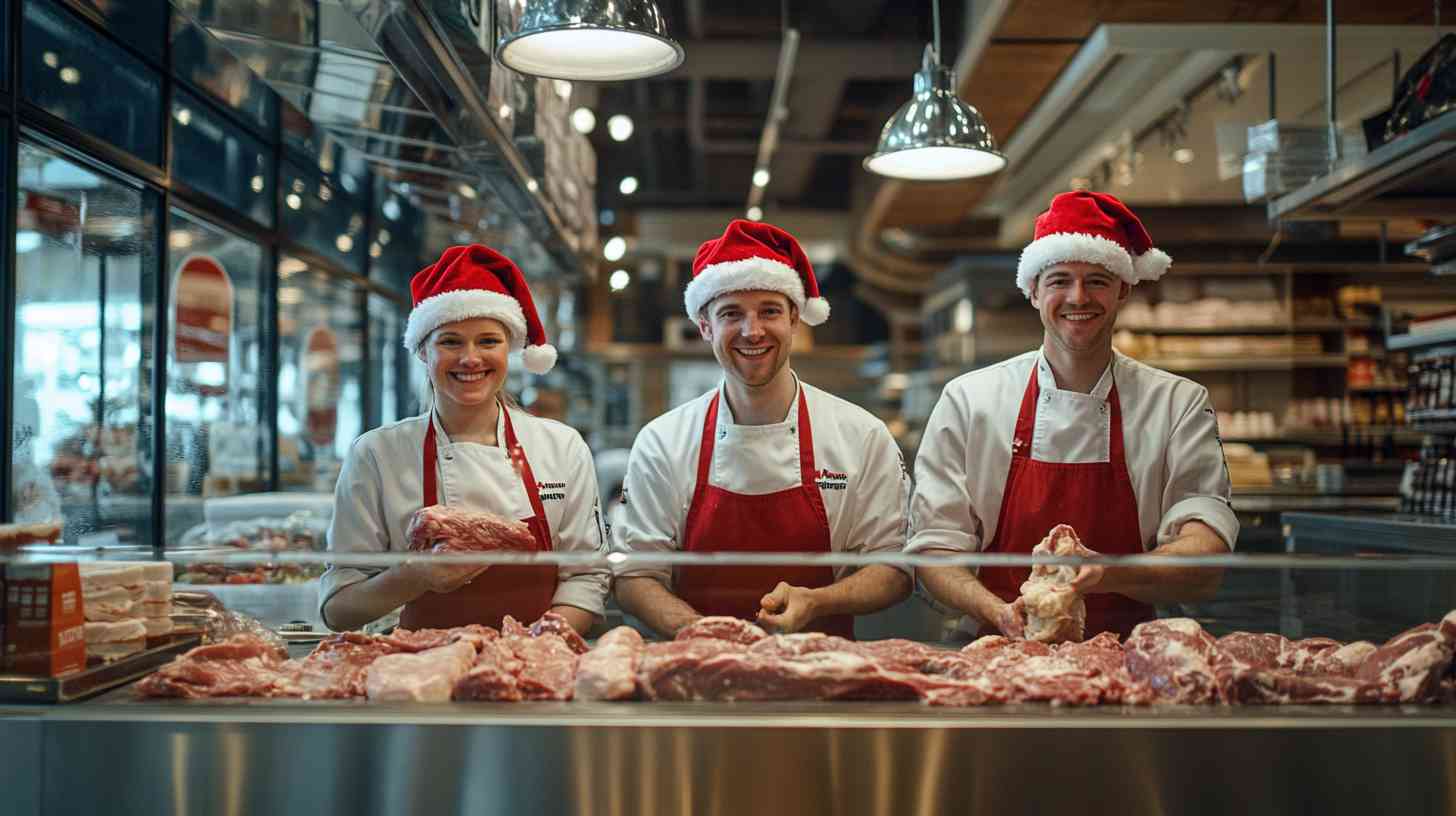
1095,498
791,520
521,591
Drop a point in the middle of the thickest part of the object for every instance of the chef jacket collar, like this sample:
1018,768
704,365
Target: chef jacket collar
725,414
444,438
1047,381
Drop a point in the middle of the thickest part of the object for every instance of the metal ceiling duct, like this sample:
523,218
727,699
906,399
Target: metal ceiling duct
404,83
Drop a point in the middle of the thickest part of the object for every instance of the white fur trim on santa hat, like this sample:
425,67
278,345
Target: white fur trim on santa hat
815,311
539,359
749,274
1151,265
463,304
1072,246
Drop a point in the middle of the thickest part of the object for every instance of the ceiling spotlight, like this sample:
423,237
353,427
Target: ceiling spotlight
183,116
761,177
563,88
1183,155
619,280
344,243
257,184
70,75
467,191
294,201
591,40
583,120
620,127
615,248
755,213
505,112
390,208
532,185
628,185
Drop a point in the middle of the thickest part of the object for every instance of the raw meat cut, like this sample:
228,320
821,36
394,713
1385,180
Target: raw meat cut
736,676
609,670
1174,657
520,665
449,529
666,670
1343,662
241,666
424,677
557,625
1054,611
1412,664
14,535
493,677
722,627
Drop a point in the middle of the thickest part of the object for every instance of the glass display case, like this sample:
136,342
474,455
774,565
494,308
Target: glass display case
85,260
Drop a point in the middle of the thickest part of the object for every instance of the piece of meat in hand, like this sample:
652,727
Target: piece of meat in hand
451,529
1055,612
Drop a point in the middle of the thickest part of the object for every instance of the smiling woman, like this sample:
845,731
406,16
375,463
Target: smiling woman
472,449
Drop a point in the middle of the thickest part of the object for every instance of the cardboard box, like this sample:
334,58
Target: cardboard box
45,631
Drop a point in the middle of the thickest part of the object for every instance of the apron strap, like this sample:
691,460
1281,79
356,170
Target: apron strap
1026,419
431,493
1116,449
528,479
808,475
705,454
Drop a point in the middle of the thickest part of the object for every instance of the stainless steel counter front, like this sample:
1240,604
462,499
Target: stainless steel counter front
118,755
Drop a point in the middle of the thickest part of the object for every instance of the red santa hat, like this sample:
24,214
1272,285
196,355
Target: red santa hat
752,255
1093,228
476,281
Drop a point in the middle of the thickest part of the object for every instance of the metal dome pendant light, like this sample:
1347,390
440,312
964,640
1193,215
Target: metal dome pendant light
592,40
935,136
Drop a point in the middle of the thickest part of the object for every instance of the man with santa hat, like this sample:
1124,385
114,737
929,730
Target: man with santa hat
1074,433
764,463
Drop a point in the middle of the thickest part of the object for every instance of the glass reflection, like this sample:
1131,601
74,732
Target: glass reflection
320,367
84,267
217,439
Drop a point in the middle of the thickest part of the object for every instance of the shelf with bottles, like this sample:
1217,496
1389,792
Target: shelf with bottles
1429,486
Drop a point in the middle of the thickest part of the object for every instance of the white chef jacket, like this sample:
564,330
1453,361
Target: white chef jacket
862,477
381,487
1174,455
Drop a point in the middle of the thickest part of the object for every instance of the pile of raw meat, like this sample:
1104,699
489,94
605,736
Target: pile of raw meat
725,659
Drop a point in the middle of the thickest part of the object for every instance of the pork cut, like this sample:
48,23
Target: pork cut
422,677
609,670
524,663
722,627
241,666
553,623
1055,612
450,529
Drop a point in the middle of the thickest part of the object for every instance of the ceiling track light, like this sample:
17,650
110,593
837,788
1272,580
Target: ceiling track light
935,136
588,40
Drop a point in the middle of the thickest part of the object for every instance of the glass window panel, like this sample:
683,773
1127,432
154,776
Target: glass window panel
221,159
217,437
5,44
325,213
200,59
85,261
320,367
138,23
79,75
389,361
397,247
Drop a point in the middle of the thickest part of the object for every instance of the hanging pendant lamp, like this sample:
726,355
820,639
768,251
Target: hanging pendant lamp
935,136
592,40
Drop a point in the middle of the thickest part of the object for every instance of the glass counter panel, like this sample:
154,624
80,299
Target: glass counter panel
217,438
198,58
221,159
85,263
320,368
389,359
75,73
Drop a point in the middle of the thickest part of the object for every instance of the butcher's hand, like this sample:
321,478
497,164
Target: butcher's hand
441,577
1010,618
1090,577
787,609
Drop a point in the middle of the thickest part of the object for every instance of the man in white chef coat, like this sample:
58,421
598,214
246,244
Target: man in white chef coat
762,463
1074,433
